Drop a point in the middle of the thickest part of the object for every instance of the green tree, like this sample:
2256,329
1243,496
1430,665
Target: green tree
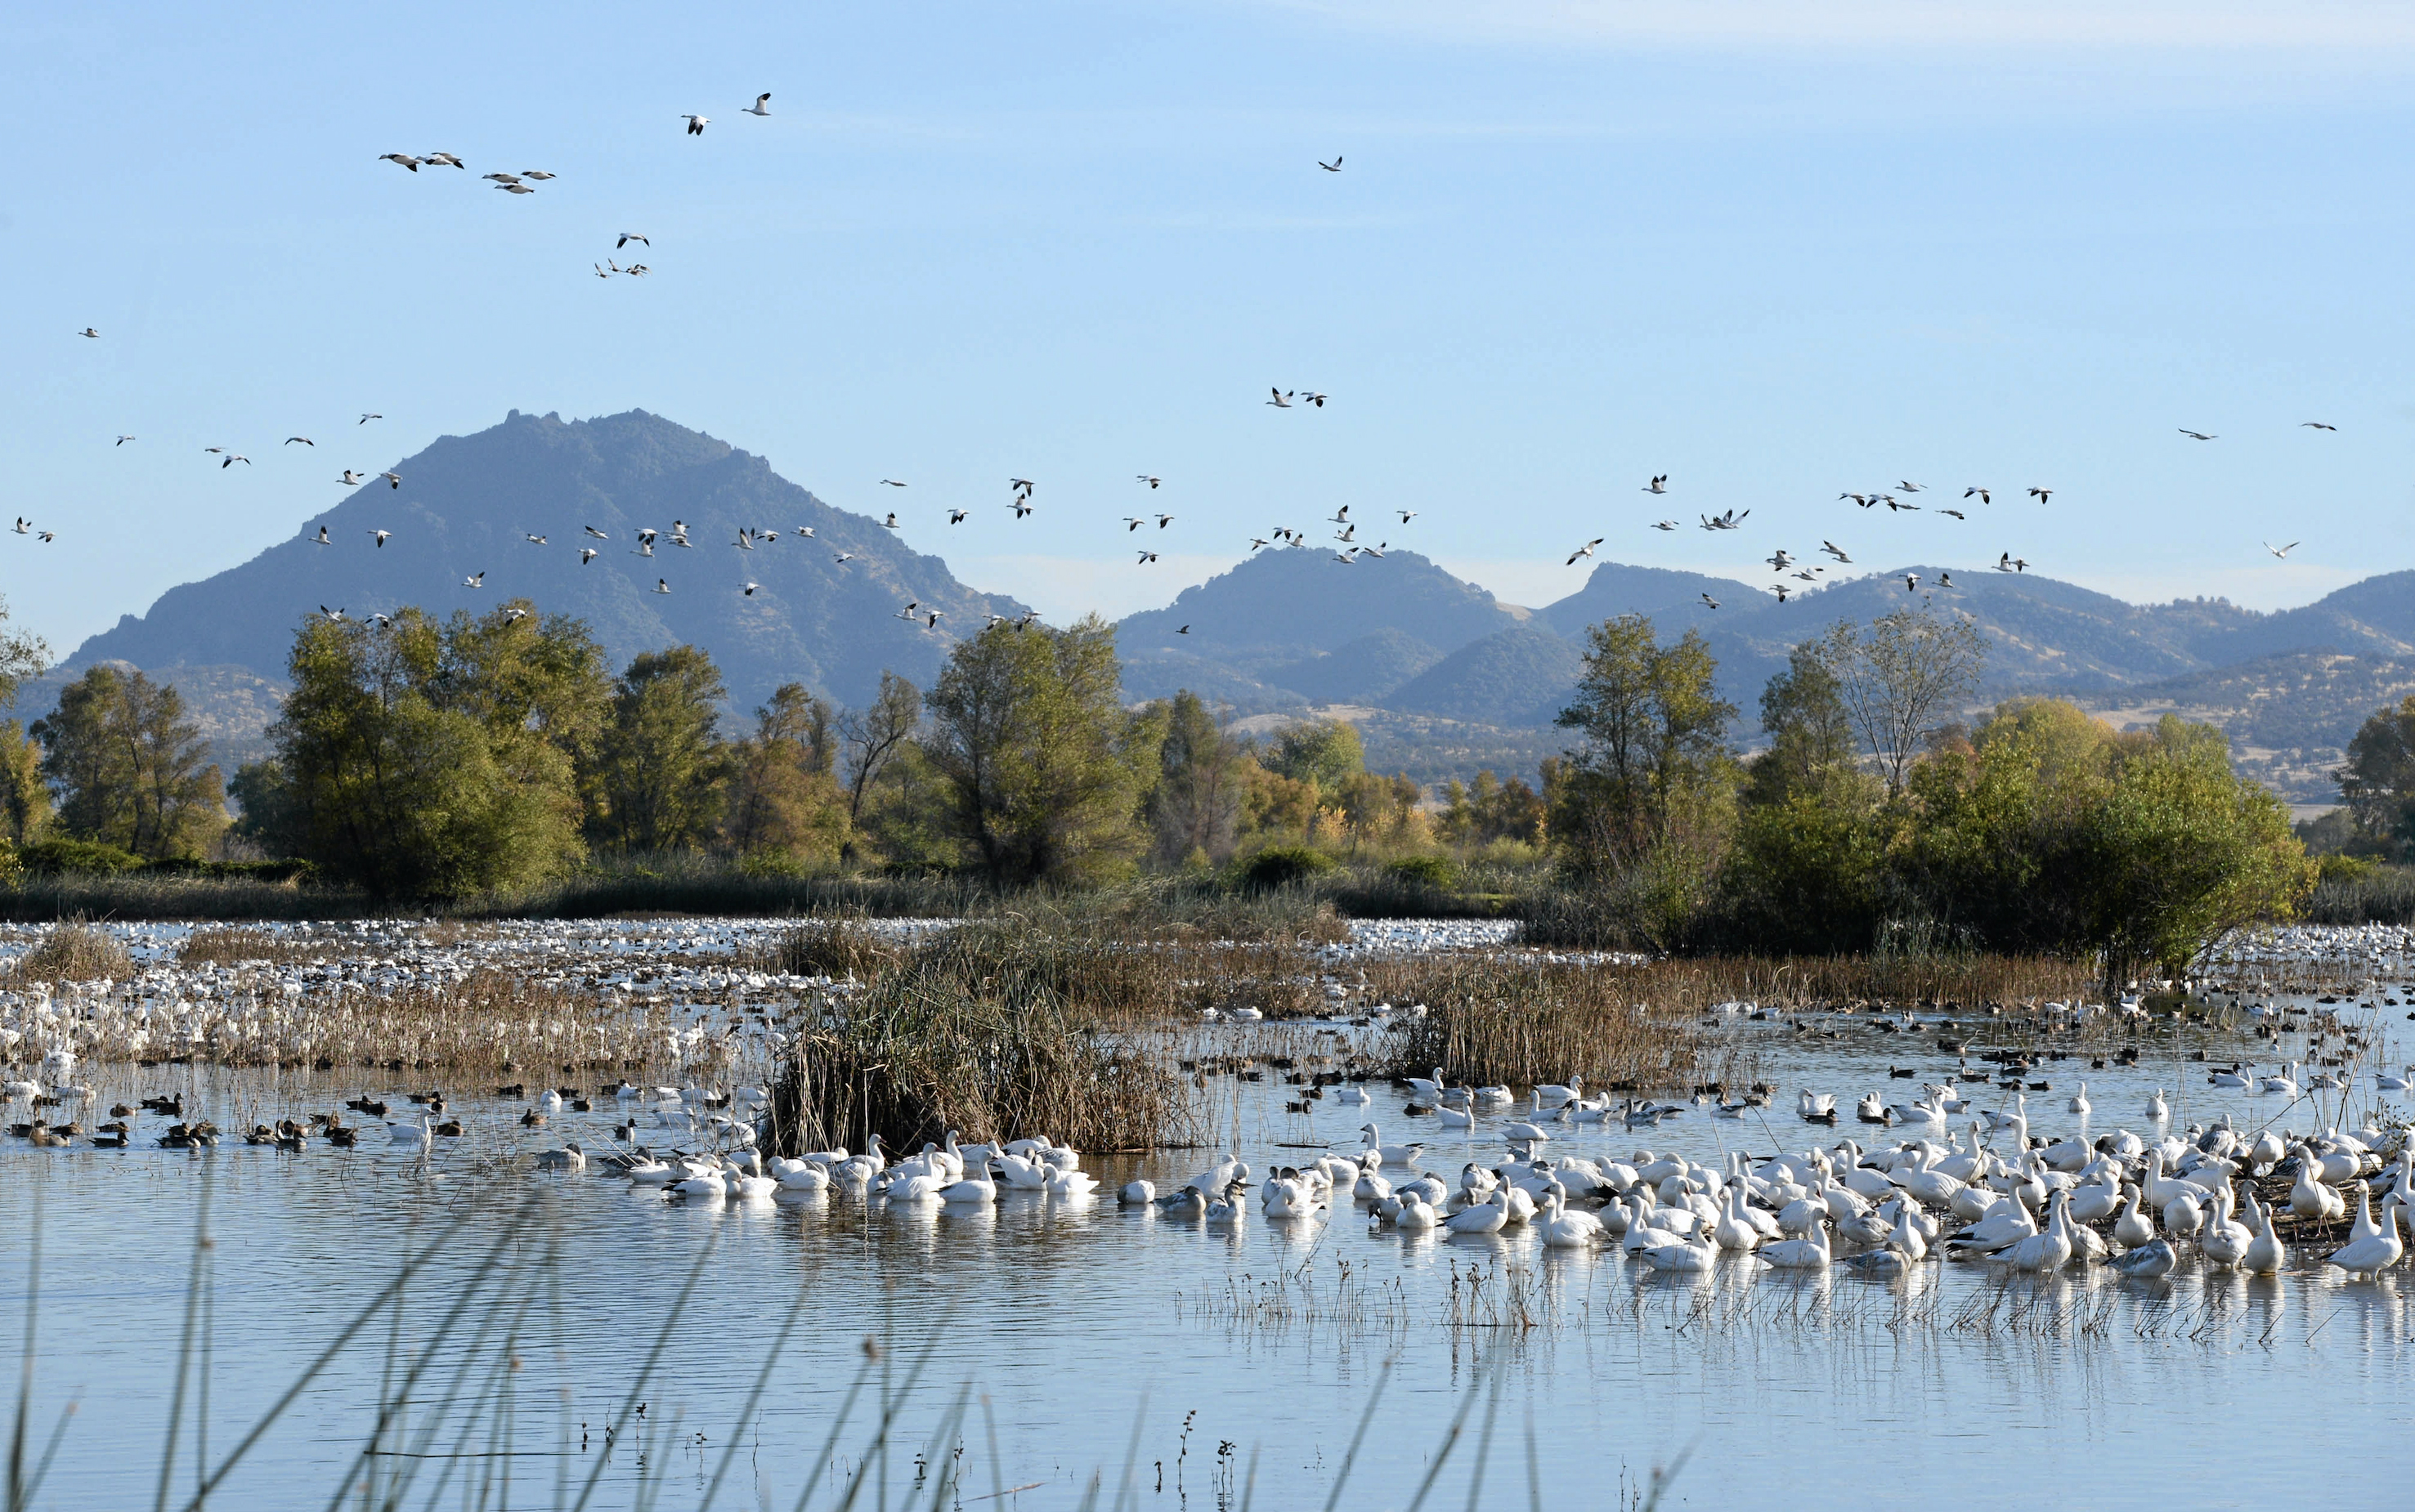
1811,734
25,798
1196,808
782,799
658,763
1653,767
1489,810
873,739
428,760
1041,772
2377,779
1902,680
1325,752
128,767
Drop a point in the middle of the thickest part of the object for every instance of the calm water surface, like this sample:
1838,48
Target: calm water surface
1094,1333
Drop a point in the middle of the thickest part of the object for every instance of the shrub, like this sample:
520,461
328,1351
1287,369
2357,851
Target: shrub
78,855
74,951
1425,871
1283,866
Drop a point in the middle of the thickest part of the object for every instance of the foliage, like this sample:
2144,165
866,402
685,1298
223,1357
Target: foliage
88,858
874,738
1651,783
1900,680
1325,752
1196,811
2377,781
128,766
1041,772
21,656
1490,811
783,802
1424,871
25,798
658,765
431,760
1283,866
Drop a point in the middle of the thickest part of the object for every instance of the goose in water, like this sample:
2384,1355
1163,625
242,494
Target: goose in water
1426,1089
1450,1117
1227,1208
2132,1228
801,1175
1550,1094
1415,1213
415,1134
2080,1103
2286,1084
2005,1223
2157,1109
1562,1229
976,1186
1071,1184
2309,1198
2371,1247
1487,1216
739,1182
2223,1239
1683,1258
1287,1196
2047,1249
1137,1193
2149,1262
2263,1256
1406,1154
1187,1202
2228,1078
569,1157
1808,1253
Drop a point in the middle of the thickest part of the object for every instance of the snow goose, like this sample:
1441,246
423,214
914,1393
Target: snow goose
2149,1262
2371,1247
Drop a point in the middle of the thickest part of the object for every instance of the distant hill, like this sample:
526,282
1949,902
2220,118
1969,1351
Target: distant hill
1284,601
1672,600
1364,671
2289,717
1518,677
468,503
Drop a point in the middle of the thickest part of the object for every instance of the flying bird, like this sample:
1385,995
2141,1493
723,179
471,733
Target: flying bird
393,480
515,188
2280,552
232,459
502,178
662,585
596,533
380,537
2194,435
2041,495
367,418
476,580
696,124
1146,478
123,439
1341,517
1333,167
2315,425
1313,398
1164,520
1835,551
1860,499
751,587
1911,581
762,106
1584,550
1895,503
537,173
1908,487
956,516
1021,486
806,530
1257,542
334,616
320,539
1778,589
1975,488
537,540
1020,508
586,555
90,332
1660,484
1280,401
628,236
891,522
352,479
1146,558
1665,524
891,483
1407,515
1956,513
1132,523
1778,561
304,440
844,557
1712,602
404,159
444,158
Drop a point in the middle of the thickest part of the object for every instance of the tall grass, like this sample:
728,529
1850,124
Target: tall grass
998,1031
2385,895
73,951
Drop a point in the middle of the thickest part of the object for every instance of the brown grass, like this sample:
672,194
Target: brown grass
996,1032
73,951
235,947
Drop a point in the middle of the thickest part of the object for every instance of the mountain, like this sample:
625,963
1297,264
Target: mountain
1515,678
468,503
1364,671
1672,600
1279,603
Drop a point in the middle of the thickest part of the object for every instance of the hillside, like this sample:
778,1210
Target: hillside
468,503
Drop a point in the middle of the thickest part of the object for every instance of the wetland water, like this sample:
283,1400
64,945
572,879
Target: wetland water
1084,1328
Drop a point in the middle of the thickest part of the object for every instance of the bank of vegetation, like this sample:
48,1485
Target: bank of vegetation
493,765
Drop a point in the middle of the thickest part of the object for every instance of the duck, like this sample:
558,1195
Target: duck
568,1158
2371,1247
1187,1202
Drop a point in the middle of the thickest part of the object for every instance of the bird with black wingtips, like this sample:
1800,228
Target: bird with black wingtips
696,124
476,580
304,440
762,105
1333,167
320,539
1584,550
2197,435
367,418
586,555
393,480
382,536
2315,425
1660,484
662,585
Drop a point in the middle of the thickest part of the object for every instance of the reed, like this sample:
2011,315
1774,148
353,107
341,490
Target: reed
240,947
73,951
997,1032
1515,1019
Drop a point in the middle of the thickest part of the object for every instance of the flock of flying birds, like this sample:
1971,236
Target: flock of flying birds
1785,563
1349,548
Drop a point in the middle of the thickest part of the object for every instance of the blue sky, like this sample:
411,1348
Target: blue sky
1775,250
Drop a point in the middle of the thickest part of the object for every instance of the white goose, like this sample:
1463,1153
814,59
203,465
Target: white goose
1810,1252
2264,1254
2080,1103
2371,1247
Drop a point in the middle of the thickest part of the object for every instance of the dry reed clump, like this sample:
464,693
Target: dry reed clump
837,947
236,946
73,951
986,1032
1515,1021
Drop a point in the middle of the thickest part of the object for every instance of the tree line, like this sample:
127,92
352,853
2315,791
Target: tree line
438,758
